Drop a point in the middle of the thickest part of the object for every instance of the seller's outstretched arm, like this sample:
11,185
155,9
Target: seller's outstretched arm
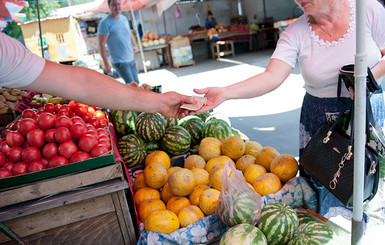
274,75
90,87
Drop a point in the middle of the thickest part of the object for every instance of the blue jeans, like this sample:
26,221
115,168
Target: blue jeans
127,71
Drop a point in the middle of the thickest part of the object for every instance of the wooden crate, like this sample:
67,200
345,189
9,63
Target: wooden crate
83,208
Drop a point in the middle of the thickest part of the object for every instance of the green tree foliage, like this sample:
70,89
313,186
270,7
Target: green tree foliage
45,6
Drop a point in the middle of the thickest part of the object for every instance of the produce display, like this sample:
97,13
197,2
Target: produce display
9,98
52,136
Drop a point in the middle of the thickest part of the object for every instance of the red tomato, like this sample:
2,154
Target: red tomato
46,121
103,137
102,131
73,104
14,154
57,107
106,143
66,107
81,109
30,154
14,139
93,133
4,148
87,117
40,111
87,142
49,107
15,125
77,119
91,110
19,168
62,135
57,161
35,166
26,125
49,135
90,127
77,130
67,149
25,145
98,150
63,121
49,150
95,122
8,166
104,124
35,137
63,112
100,114
28,113
79,156
2,159
44,161
5,173
4,133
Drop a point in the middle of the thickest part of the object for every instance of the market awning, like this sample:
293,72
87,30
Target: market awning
8,8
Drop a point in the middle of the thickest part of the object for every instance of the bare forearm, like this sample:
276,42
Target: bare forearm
379,69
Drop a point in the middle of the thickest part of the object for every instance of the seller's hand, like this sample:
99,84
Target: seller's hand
215,96
107,69
172,102
351,90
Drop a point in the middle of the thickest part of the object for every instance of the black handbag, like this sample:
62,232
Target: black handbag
329,156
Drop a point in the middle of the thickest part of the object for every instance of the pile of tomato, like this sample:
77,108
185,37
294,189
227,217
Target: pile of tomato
52,136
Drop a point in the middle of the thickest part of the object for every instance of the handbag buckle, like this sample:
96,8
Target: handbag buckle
327,138
346,156
372,169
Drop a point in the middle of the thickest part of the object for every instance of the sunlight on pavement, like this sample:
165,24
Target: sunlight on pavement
287,97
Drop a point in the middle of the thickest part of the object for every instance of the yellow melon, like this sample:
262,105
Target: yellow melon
209,147
252,172
165,194
266,156
189,215
194,161
194,196
163,221
172,170
201,176
139,182
158,157
176,204
145,193
233,146
216,174
155,175
182,182
252,148
218,160
244,161
285,166
148,206
208,201
266,184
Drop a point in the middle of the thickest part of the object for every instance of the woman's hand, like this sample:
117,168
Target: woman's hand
215,96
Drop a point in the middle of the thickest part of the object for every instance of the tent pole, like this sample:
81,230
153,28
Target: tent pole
360,73
38,21
138,37
156,23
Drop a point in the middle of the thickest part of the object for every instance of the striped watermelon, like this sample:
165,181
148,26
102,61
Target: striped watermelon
152,146
176,140
239,207
171,121
312,233
219,115
124,122
243,234
132,149
278,222
194,126
203,115
150,126
216,128
304,217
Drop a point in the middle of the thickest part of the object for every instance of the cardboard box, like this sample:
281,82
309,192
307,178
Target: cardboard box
185,42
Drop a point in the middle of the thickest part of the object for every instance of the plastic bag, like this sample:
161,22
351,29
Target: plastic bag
237,203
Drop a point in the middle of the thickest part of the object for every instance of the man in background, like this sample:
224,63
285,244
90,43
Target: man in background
114,31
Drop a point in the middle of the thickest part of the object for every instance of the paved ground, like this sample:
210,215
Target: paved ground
271,119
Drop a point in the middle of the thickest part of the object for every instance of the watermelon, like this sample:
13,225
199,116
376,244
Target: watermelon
304,217
124,122
216,128
171,121
152,146
312,233
239,207
176,140
278,222
150,126
132,149
243,234
219,115
203,115
194,126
